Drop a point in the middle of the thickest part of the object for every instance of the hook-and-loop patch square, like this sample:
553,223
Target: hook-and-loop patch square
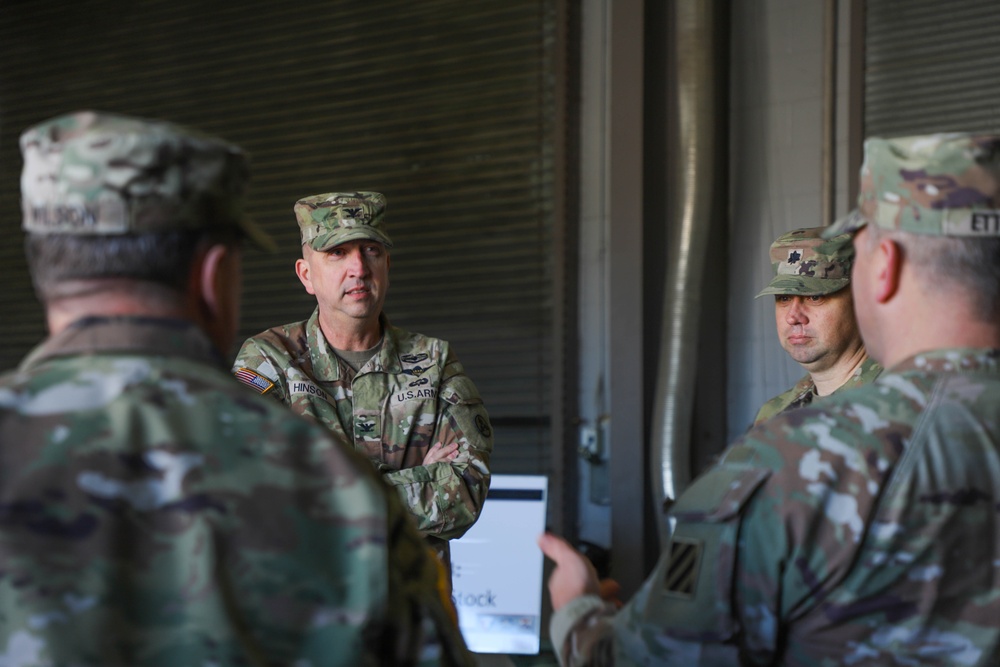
681,577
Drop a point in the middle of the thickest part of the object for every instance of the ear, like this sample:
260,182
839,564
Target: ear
210,279
889,258
302,270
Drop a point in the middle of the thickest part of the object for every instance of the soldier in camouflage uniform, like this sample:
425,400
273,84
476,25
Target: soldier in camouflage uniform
861,531
814,315
402,398
153,512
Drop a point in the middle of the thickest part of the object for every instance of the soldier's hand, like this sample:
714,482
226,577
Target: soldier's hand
574,574
439,452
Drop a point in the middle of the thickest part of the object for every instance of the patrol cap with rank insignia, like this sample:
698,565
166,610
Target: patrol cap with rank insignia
91,173
807,265
328,220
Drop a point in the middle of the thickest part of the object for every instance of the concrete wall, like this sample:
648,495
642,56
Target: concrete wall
776,175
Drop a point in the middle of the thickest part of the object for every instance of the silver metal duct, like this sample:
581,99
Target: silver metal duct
695,43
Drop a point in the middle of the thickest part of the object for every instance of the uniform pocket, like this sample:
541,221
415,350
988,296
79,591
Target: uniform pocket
691,596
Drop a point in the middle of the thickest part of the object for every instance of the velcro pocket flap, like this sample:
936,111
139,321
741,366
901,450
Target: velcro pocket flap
691,596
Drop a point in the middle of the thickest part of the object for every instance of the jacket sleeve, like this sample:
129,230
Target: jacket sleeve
258,368
423,623
446,498
682,613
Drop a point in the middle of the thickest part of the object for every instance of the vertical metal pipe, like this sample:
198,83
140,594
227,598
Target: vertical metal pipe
695,41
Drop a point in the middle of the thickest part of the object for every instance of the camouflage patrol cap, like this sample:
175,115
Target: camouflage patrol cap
807,265
92,173
330,219
937,184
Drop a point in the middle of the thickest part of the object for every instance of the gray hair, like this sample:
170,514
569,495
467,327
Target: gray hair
970,266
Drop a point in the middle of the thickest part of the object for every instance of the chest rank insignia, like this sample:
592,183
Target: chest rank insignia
367,427
681,577
258,382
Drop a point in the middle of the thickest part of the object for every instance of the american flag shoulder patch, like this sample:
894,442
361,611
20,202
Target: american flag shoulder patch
681,577
253,379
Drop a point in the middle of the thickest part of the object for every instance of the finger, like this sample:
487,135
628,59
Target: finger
556,547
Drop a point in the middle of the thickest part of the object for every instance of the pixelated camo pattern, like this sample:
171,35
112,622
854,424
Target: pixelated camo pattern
330,219
866,529
805,264
937,184
98,173
804,391
156,513
411,394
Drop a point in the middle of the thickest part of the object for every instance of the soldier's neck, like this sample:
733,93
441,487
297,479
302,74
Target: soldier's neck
75,300
832,379
352,335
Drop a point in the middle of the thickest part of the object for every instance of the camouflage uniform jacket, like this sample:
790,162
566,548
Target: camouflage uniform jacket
804,391
154,512
411,394
860,532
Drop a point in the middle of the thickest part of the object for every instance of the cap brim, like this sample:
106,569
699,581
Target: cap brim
849,224
324,242
803,286
257,236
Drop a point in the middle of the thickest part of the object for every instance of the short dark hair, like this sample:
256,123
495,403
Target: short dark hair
160,258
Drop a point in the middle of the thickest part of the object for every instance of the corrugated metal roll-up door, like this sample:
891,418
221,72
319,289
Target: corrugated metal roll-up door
446,106
931,66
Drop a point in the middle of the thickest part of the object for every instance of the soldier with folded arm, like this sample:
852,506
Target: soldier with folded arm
401,398
153,511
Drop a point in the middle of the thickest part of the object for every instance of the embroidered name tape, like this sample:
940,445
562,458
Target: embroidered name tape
971,223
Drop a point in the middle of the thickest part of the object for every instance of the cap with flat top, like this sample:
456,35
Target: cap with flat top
936,185
327,220
92,173
805,264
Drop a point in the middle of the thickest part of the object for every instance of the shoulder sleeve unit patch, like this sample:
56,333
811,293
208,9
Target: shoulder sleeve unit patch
254,380
682,569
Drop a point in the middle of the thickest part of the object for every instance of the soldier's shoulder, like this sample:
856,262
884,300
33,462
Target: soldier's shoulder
777,404
870,417
413,344
281,336
276,344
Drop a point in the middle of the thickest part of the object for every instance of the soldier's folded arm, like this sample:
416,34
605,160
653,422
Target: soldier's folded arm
446,497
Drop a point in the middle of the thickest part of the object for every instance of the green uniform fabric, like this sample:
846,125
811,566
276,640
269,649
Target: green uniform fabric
804,391
412,394
155,512
860,532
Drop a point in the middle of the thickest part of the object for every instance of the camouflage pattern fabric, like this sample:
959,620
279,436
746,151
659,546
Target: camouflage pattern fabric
806,264
154,512
412,394
804,391
939,185
858,534
333,218
96,173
